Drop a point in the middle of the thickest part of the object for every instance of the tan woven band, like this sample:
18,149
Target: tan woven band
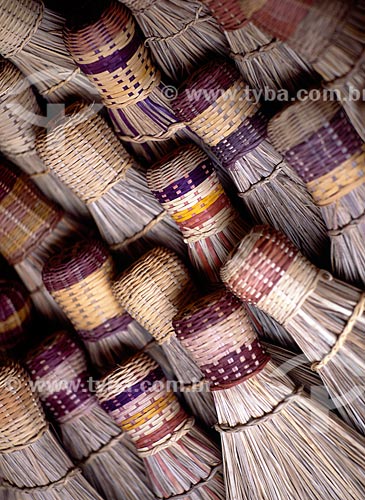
173,438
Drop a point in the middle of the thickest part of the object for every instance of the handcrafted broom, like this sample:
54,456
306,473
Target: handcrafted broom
180,460
85,154
31,37
153,290
215,105
181,34
278,444
264,62
111,52
15,317
325,316
31,229
79,278
330,35
20,117
107,458
320,143
32,462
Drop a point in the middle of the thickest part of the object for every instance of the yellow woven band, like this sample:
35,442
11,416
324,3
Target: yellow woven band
200,207
154,409
16,319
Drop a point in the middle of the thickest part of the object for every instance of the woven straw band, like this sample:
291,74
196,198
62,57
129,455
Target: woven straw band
269,271
21,417
15,314
59,368
79,279
112,54
215,103
228,13
153,289
26,216
218,333
19,20
136,396
84,153
51,486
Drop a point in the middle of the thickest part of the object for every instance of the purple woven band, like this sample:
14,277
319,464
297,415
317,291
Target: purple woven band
325,150
111,327
51,356
134,391
7,178
13,298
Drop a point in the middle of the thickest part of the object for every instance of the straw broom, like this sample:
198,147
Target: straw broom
180,460
323,147
111,52
85,154
107,458
264,62
20,118
325,316
32,462
330,35
213,102
278,444
31,229
153,290
79,278
15,317
180,34
31,37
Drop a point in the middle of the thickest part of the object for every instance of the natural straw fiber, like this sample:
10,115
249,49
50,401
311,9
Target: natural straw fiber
330,35
31,460
180,460
278,444
188,188
15,317
325,316
181,34
106,457
80,280
264,62
111,52
20,119
323,147
153,290
31,229
85,154
214,104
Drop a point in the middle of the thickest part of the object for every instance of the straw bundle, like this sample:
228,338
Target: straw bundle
328,34
153,290
31,229
108,460
320,143
85,154
15,317
188,188
111,52
278,444
179,459
31,37
31,460
20,117
215,105
79,278
263,61
181,34
325,316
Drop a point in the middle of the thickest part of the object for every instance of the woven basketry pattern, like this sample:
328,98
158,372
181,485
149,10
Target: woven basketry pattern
26,216
136,396
218,333
58,365
153,290
112,54
84,153
228,13
15,314
21,416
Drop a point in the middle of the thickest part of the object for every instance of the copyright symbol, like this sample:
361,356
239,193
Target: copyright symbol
170,92
13,384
